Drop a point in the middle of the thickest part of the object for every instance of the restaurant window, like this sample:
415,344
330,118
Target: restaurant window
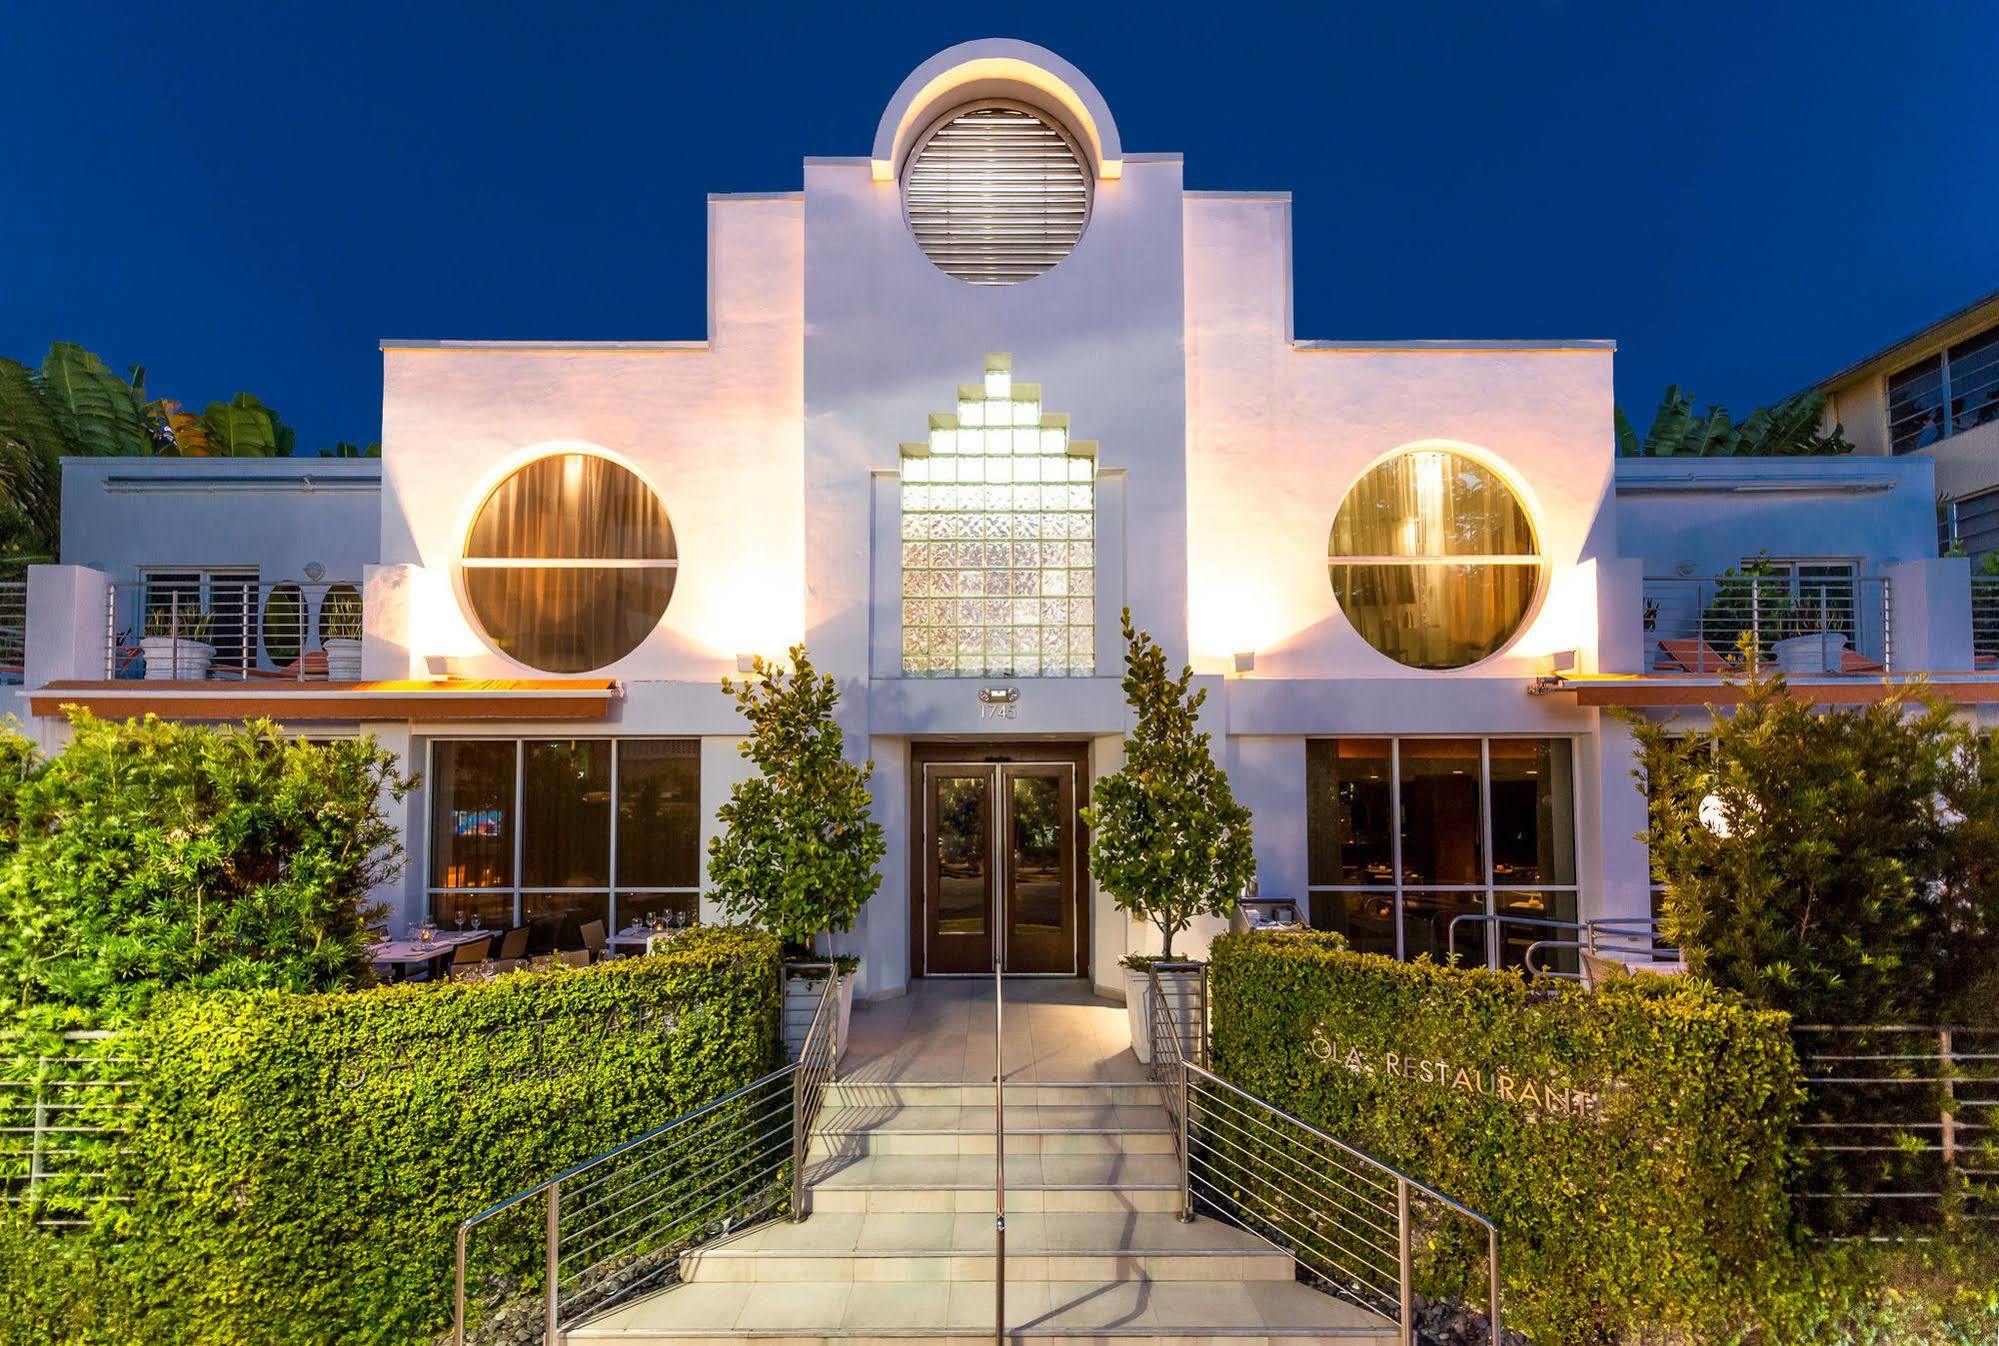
999,539
1444,846
1433,559
1955,390
556,833
570,563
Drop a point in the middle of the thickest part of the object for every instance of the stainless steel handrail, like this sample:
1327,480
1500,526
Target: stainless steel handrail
1241,1111
762,1152
999,1153
1614,935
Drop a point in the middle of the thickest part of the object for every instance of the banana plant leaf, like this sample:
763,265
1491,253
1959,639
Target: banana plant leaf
99,412
245,428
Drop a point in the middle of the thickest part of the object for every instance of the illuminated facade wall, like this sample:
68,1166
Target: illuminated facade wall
1183,453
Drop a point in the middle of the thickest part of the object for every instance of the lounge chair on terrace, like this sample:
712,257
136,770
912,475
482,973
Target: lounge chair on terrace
1853,661
1690,656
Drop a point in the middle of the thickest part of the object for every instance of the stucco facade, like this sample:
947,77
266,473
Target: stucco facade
1224,445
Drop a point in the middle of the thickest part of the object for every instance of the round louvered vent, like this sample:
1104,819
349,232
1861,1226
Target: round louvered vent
996,194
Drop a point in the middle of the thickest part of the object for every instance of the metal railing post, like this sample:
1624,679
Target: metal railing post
1947,1072
999,1154
458,1289
1186,1154
798,1136
1494,1321
1404,1262
552,1306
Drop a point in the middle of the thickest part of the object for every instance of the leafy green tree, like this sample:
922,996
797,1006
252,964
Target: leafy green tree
243,427
152,855
800,852
1168,841
1842,865
1789,429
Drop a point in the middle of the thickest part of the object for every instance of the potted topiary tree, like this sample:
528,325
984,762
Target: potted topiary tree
800,852
1167,839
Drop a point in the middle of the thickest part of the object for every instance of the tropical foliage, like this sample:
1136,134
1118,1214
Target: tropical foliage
1839,864
1788,429
799,853
152,855
73,405
1632,1144
1168,840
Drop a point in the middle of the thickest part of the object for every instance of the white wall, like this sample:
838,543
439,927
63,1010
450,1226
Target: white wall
714,426
121,515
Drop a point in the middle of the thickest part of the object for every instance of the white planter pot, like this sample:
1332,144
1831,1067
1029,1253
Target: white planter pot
1182,988
1816,653
801,1001
343,659
167,658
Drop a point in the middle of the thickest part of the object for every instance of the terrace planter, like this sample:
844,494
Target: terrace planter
343,659
168,658
1818,652
1179,983
802,986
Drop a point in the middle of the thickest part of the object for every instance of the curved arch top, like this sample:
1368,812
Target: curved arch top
997,65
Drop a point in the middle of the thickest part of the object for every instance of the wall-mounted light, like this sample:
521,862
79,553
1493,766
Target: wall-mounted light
314,571
1562,661
746,663
440,666
1245,661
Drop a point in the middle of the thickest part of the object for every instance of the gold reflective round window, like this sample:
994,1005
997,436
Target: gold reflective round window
1434,560
570,563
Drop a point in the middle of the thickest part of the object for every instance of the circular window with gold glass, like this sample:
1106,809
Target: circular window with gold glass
1434,560
570,563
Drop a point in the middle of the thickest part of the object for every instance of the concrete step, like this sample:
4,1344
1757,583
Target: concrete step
1129,1313
886,1184
863,1093
1099,1247
1030,1129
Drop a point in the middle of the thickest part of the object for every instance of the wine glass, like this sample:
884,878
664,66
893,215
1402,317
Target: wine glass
458,919
478,919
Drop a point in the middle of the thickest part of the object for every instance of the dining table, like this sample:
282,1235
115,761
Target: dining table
639,938
405,957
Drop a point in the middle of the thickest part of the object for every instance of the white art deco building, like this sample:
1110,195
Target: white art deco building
962,398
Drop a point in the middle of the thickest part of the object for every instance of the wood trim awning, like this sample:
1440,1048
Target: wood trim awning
444,699
1630,689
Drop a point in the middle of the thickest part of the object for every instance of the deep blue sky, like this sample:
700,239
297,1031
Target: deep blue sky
1746,197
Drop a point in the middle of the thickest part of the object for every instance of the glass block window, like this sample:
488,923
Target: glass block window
999,539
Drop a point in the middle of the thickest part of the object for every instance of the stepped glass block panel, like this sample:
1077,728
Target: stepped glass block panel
999,518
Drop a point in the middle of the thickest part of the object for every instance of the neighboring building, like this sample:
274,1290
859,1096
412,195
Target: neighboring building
1935,394
961,400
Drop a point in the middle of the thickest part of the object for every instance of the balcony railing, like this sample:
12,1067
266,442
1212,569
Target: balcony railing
1804,625
1985,621
13,632
191,627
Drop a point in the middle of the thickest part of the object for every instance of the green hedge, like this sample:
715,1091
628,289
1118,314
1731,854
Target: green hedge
1656,1200
299,1163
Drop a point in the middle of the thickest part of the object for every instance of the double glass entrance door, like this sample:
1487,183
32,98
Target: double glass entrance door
1000,874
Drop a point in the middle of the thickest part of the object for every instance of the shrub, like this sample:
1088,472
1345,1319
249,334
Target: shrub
799,853
57,1290
1840,865
151,854
1654,1203
298,1164
1168,840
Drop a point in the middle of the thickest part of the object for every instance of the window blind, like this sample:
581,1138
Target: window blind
996,195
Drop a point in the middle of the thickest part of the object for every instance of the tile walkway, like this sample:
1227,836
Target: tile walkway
1057,1032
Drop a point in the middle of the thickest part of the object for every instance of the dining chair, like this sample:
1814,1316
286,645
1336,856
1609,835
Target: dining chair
500,965
471,953
514,945
574,957
595,942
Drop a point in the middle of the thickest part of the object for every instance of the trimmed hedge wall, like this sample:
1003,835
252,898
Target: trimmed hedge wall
299,1163
1631,1144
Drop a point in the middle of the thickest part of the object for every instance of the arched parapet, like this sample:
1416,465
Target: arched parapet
997,67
